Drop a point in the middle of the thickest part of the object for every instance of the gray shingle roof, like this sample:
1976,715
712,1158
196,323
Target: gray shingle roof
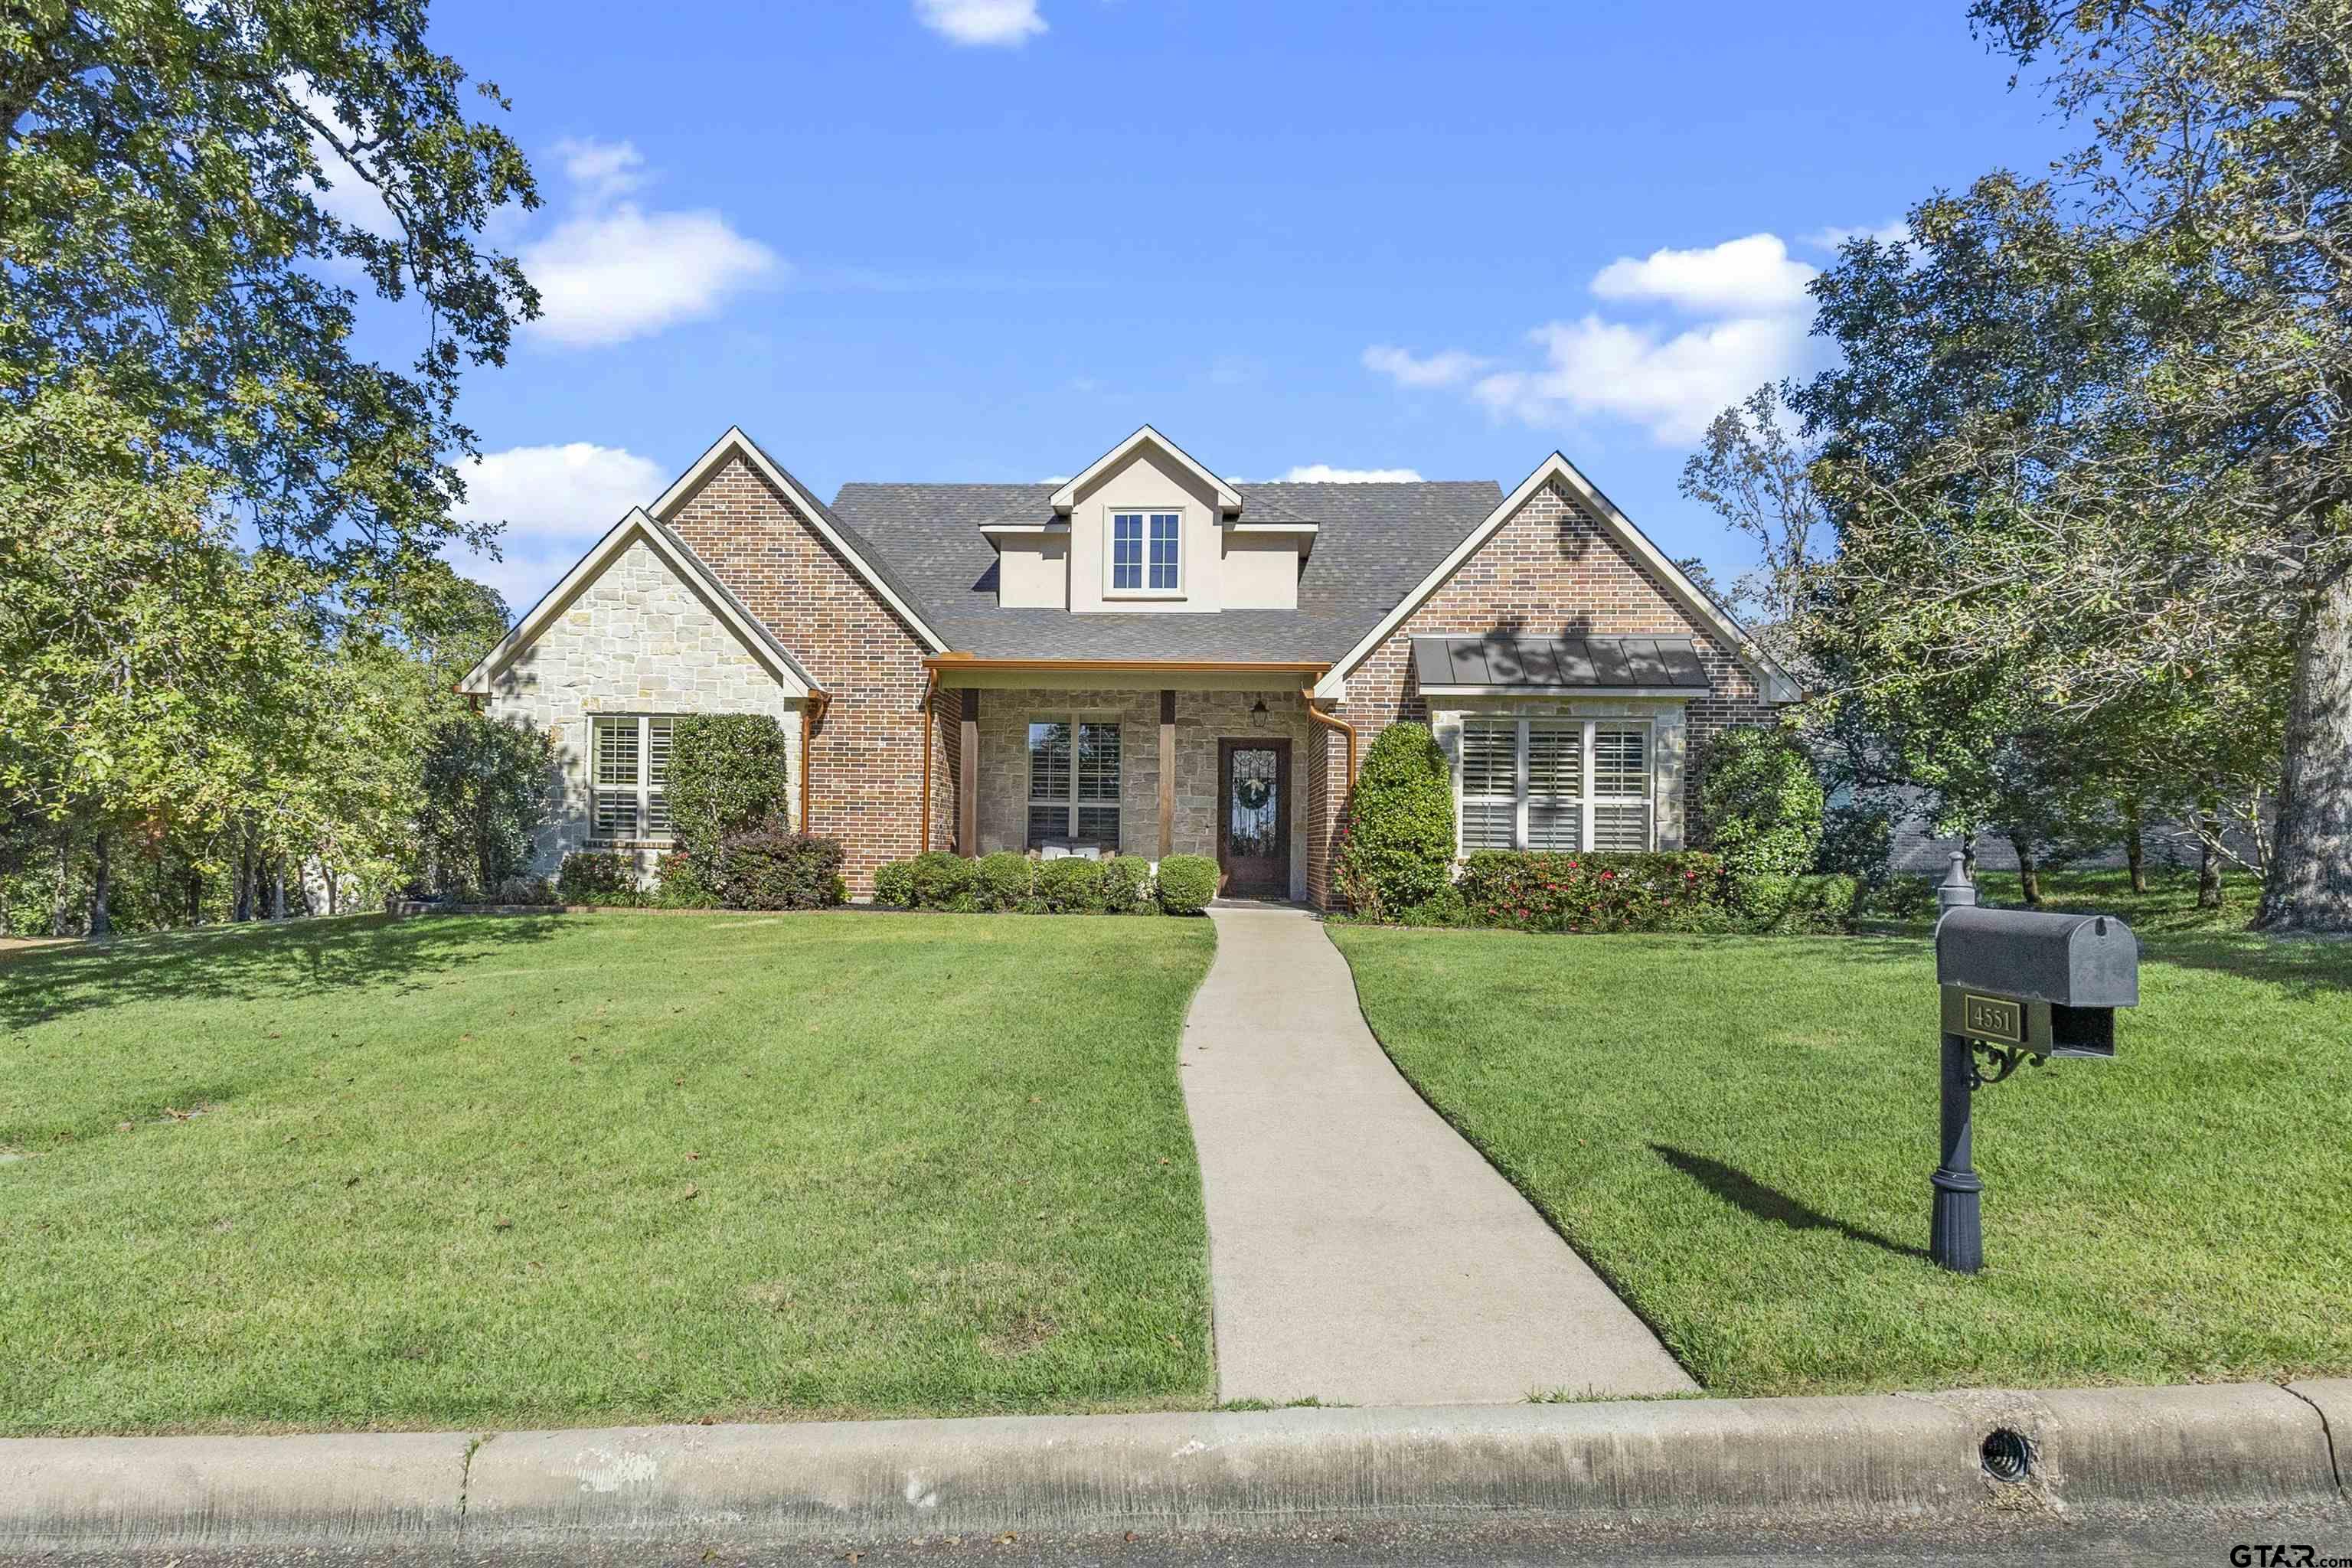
1378,542
1559,664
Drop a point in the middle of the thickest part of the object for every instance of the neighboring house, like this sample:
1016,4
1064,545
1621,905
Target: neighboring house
1145,659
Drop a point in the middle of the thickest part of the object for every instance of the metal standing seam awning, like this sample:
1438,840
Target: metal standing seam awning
1502,664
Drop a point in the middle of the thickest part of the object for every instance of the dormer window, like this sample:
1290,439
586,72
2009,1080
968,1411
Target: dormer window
1146,552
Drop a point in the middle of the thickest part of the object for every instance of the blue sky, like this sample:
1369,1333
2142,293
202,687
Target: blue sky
983,239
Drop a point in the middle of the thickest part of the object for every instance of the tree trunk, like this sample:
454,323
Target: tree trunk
1969,855
2135,848
2209,857
2310,884
102,885
2029,873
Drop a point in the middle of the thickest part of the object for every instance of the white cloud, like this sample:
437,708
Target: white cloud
1010,22
1888,232
611,271
607,277
1325,473
1739,276
556,502
1449,368
1670,385
602,171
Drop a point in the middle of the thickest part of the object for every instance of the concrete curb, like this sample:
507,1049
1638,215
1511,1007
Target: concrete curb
1702,1462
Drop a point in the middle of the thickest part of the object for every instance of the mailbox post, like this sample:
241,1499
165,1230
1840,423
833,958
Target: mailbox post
2013,984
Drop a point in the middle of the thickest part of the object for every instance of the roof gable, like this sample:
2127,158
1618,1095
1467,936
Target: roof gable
748,628
1703,611
1228,499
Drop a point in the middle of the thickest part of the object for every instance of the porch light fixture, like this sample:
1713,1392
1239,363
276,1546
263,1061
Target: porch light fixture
1257,714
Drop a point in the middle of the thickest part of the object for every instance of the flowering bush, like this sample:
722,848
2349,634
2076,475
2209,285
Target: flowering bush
1536,890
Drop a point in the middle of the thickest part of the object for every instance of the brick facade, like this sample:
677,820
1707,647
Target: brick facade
866,763
1550,570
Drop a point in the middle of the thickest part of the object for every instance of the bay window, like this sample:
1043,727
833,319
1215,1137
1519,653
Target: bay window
1555,784
1074,783
630,758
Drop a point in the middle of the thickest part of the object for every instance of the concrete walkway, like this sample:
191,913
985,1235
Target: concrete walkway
1359,1251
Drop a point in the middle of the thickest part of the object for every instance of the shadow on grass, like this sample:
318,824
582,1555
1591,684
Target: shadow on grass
1741,1189
248,963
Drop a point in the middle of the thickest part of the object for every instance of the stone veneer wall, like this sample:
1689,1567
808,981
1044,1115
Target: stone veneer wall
1550,570
866,767
1202,719
637,639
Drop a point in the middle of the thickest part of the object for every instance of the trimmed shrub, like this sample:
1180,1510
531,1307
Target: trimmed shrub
1761,801
680,885
894,884
1070,886
1537,891
1187,883
728,773
1002,880
526,891
771,868
1821,904
1448,908
939,880
600,877
1126,886
1396,842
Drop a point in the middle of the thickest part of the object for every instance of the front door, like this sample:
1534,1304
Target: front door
1253,818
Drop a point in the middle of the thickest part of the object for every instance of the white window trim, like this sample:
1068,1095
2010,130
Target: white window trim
645,789
1589,802
1110,548
1072,804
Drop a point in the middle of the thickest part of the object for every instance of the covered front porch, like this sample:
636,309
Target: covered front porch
1148,760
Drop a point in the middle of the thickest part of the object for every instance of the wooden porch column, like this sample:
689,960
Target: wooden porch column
1167,774
968,779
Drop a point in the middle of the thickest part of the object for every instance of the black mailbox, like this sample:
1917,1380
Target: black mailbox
2046,984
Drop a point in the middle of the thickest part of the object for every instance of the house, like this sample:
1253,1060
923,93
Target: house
1145,658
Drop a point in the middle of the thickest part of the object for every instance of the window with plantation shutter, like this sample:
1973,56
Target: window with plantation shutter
1074,783
629,761
1555,784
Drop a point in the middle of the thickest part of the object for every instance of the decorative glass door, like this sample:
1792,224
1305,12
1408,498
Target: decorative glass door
1253,818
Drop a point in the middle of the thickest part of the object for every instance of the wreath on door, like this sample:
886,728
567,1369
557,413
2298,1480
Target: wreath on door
1253,794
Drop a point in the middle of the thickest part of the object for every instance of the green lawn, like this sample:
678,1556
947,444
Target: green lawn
563,1170
1738,1132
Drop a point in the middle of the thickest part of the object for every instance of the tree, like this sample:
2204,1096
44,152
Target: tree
2180,500
1396,843
1754,473
488,788
181,185
1760,801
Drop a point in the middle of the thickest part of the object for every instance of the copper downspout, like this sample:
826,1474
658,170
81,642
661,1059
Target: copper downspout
930,689
812,709
1335,722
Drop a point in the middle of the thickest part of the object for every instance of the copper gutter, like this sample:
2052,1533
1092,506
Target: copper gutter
1335,722
812,709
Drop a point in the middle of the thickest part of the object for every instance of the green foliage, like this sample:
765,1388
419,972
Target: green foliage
1448,908
1761,801
1540,890
487,787
728,773
600,877
1821,904
771,868
942,881
1396,844
175,187
1858,840
894,884
999,881
679,884
1187,883
1126,886
1070,886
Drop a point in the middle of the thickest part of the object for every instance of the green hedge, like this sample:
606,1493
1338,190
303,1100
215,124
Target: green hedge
1820,904
1537,890
1002,881
940,880
1396,840
1187,883
729,773
599,877
773,867
894,884
680,884
1126,886
1070,886
1760,801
